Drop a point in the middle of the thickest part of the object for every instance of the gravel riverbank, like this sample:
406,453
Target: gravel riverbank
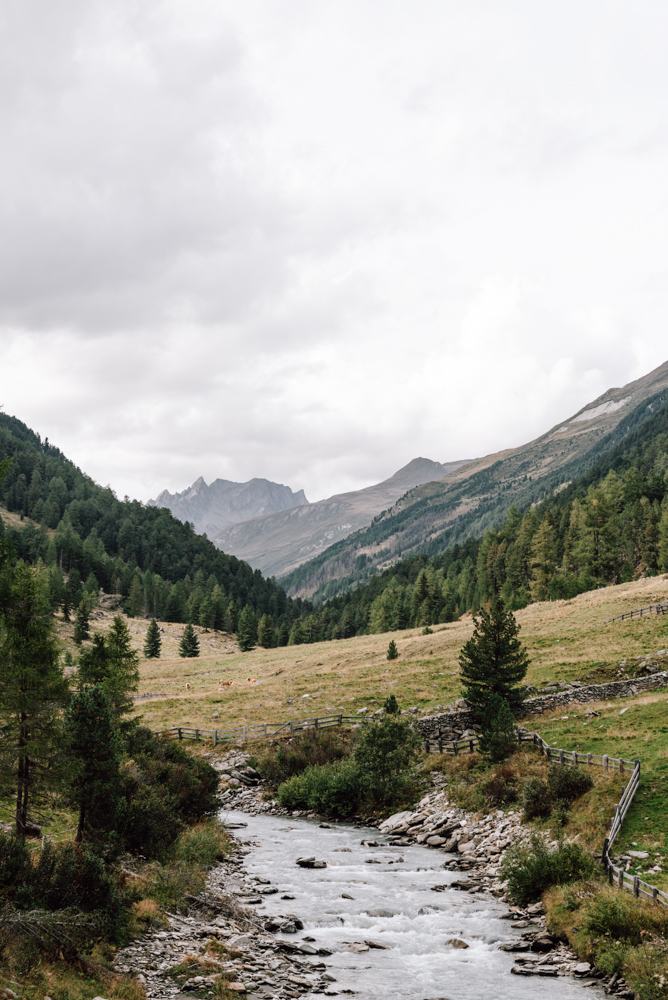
259,965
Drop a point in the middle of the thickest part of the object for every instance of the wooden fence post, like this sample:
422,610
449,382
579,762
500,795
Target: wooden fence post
620,879
588,760
197,735
470,746
340,718
621,765
426,746
561,757
440,744
215,737
605,762
180,737
636,886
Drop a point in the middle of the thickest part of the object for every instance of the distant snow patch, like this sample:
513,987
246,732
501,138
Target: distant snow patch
598,411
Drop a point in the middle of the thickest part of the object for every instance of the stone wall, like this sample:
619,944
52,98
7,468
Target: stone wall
455,725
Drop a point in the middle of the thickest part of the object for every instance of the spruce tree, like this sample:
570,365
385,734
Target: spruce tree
231,618
247,630
497,735
266,632
124,674
392,651
94,754
32,689
283,636
493,661
66,605
82,623
189,645
114,664
153,641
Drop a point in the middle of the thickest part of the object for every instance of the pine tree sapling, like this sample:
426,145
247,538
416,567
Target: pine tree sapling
391,705
392,651
189,645
153,641
493,661
497,734
93,748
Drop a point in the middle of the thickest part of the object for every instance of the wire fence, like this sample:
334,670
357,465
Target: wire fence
654,609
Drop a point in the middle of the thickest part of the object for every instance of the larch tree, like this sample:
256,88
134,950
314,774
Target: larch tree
33,690
93,751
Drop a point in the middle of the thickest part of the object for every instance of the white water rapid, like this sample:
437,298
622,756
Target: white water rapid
392,904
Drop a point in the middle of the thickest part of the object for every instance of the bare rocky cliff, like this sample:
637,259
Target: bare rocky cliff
212,508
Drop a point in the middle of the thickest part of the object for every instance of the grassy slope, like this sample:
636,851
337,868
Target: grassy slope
349,674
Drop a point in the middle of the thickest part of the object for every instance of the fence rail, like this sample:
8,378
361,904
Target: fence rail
617,876
256,731
653,609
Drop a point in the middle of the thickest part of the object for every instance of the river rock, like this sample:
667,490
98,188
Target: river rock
311,863
378,945
543,944
456,943
582,969
381,913
357,947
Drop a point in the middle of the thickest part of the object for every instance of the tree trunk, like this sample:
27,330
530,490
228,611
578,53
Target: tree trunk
80,826
22,781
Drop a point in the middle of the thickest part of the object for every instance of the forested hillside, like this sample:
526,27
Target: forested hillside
467,503
159,565
608,526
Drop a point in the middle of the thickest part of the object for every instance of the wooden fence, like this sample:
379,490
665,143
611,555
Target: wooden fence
256,731
617,876
654,609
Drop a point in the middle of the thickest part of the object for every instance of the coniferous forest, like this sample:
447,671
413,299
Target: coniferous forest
607,526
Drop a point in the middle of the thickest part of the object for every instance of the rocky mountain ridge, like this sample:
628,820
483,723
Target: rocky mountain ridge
276,543
212,508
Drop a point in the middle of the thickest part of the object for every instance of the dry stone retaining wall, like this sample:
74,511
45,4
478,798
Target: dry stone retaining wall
454,725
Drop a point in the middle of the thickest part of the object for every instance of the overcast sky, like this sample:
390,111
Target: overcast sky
312,239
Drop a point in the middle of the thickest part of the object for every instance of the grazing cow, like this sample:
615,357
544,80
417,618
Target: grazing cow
251,680
225,683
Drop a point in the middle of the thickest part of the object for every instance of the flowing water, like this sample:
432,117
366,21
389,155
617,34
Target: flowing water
393,904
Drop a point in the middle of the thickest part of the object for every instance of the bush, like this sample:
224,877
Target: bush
167,766
163,788
385,755
331,788
567,784
536,799
500,787
312,748
61,878
148,820
532,868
